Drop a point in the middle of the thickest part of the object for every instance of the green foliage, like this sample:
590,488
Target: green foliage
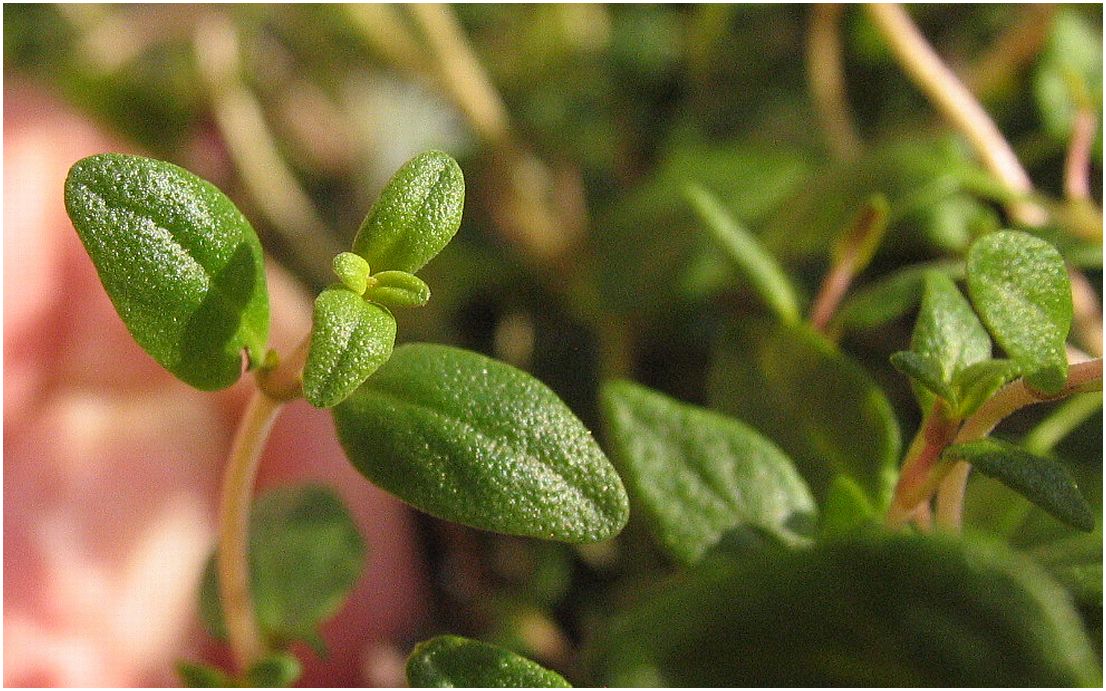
973,385
1020,288
196,675
352,270
180,263
925,371
697,474
1043,481
305,556
868,610
452,661
350,339
890,297
415,216
800,381
398,289
746,254
1069,73
476,441
275,670
845,509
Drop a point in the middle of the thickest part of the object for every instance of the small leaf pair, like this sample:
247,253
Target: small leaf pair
353,331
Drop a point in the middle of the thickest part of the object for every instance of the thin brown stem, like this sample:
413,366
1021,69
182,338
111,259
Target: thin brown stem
833,289
1077,164
246,643
945,90
1082,377
461,74
826,77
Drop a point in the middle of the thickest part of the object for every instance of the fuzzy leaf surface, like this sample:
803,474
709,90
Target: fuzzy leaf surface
350,339
1043,481
790,384
416,215
456,662
305,557
947,329
180,263
1019,286
697,474
865,610
475,441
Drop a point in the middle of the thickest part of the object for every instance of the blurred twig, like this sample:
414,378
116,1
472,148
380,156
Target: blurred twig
956,103
826,76
272,185
1011,51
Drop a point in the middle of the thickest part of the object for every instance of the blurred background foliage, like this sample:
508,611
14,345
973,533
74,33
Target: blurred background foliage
579,128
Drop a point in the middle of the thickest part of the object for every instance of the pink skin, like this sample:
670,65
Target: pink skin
111,466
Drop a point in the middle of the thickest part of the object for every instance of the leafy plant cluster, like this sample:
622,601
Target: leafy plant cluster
751,399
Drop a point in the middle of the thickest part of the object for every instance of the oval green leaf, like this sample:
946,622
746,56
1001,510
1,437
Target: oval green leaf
456,662
352,270
415,216
305,557
399,289
1043,481
350,339
1019,286
867,610
697,475
947,330
180,263
791,384
475,441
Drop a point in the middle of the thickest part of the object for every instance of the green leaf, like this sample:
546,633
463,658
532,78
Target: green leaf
475,441
415,216
453,661
399,289
350,339
1045,482
1069,73
353,271
845,510
1020,288
947,330
976,383
697,474
275,670
865,610
790,383
305,557
890,297
197,675
861,239
180,263
746,253
924,371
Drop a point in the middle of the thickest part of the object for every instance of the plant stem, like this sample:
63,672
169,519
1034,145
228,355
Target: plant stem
834,286
232,558
1082,377
1077,163
826,77
952,98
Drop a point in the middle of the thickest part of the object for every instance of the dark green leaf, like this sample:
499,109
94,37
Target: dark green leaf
1043,481
398,289
845,509
890,297
475,441
1020,288
790,383
453,661
275,670
697,474
976,383
305,557
865,610
925,371
417,214
350,339
197,675
745,252
180,263
353,271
